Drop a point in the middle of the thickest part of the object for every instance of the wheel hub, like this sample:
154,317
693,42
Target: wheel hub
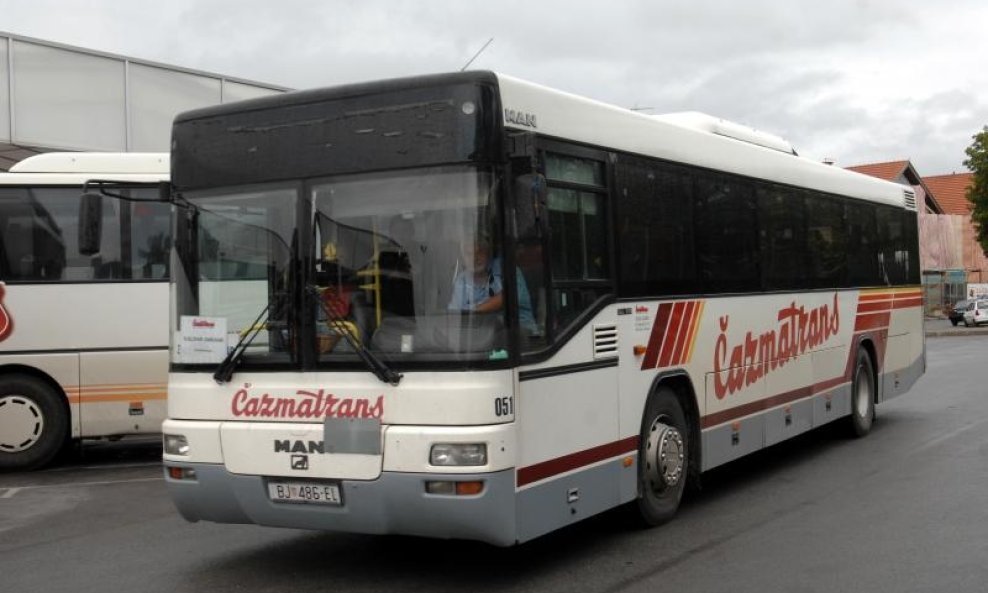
664,456
862,392
21,423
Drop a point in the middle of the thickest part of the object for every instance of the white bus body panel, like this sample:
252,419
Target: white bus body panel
563,115
238,424
96,315
569,412
103,344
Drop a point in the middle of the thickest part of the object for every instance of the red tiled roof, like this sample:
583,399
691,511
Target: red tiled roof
887,171
893,170
951,191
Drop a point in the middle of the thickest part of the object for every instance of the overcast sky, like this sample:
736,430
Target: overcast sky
855,80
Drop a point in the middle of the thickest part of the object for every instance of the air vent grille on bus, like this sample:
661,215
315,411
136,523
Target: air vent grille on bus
910,199
605,341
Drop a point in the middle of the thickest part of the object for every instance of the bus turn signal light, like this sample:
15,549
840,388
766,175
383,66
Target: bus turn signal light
469,488
640,350
448,488
181,473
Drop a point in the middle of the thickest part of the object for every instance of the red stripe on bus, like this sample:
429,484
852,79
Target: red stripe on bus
869,321
874,306
908,303
684,331
655,340
691,338
669,343
885,296
748,409
559,465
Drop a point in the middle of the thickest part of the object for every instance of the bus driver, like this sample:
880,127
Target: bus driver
478,285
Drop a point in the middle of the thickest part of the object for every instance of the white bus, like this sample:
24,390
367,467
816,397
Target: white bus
467,306
83,339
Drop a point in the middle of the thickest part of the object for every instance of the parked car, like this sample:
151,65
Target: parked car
956,314
976,313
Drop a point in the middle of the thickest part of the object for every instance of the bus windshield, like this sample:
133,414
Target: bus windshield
233,273
407,265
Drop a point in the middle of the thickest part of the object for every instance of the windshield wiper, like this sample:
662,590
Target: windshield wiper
377,366
224,372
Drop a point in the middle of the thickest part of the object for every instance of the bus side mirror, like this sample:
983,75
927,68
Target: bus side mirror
90,223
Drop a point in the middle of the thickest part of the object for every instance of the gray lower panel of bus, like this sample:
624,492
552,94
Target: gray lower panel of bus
733,440
898,382
393,503
736,439
397,503
574,497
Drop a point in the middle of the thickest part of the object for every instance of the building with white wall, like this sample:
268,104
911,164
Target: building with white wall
58,97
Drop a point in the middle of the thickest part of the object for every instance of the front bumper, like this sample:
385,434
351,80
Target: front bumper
393,503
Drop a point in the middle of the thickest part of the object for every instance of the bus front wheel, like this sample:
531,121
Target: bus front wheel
34,423
664,457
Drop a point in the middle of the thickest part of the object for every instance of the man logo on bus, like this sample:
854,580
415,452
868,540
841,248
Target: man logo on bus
6,322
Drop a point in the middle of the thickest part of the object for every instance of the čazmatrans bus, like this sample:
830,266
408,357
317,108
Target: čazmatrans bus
467,306
83,339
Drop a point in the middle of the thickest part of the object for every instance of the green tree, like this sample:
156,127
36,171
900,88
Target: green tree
977,193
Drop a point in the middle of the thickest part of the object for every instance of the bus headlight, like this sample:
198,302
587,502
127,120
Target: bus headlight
448,454
176,444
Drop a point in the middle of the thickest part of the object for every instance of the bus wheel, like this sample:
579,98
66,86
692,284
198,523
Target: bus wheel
663,458
34,424
862,395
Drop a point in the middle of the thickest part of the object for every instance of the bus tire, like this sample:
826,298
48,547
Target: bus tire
663,457
34,423
862,395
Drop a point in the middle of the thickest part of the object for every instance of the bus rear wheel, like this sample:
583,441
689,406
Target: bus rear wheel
34,423
664,458
862,395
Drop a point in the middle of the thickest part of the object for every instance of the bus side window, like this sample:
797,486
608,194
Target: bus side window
578,244
34,243
655,228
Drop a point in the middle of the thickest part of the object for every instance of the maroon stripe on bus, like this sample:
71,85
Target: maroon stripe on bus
874,306
559,465
674,325
908,303
684,331
655,341
869,321
718,418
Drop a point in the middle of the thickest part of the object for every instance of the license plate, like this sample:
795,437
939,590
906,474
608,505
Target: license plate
305,493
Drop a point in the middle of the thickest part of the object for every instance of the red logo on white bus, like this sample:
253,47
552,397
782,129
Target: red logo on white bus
747,362
304,404
6,322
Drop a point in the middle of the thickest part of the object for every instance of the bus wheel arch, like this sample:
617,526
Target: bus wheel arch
35,415
668,448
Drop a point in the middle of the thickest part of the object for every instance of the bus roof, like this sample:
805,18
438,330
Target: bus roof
694,139
69,168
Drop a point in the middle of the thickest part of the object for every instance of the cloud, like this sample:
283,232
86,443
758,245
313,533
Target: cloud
858,80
